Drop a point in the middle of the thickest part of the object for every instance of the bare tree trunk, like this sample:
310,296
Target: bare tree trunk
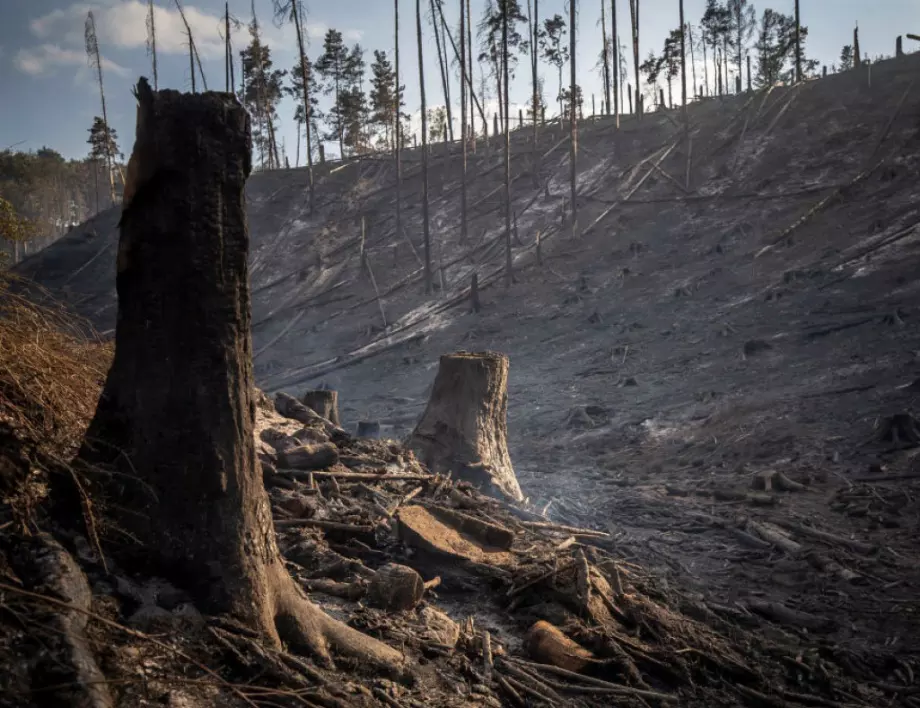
179,396
421,80
606,54
705,65
295,15
857,57
443,66
92,49
692,56
153,43
634,20
683,70
463,125
228,57
573,118
616,61
397,128
798,45
534,14
469,59
503,100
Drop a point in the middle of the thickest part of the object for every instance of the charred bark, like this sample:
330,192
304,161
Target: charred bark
324,402
178,410
463,429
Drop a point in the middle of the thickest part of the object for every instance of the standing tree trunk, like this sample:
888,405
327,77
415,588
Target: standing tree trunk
857,57
535,83
228,54
397,128
153,42
177,409
421,80
705,62
606,55
503,101
444,66
692,55
634,20
306,94
463,125
798,45
573,119
616,61
463,429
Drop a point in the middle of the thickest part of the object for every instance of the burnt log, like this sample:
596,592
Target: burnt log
171,445
395,588
309,457
463,430
325,403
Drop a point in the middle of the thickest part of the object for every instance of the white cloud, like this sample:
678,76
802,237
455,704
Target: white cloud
122,24
45,58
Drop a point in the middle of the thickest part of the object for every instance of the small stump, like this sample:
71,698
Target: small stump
325,403
464,429
395,588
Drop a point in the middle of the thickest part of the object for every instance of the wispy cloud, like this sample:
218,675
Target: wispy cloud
45,58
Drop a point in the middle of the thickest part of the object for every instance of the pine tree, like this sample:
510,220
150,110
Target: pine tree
499,27
383,99
332,66
846,57
296,91
354,106
716,25
742,25
263,88
103,150
426,226
554,49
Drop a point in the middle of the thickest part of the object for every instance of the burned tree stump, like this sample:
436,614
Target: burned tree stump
463,429
325,403
171,447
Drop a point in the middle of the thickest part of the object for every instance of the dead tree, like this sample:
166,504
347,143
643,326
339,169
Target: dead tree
177,409
444,66
606,56
857,57
614,38
294,10
573,119
634,21
421,78
463,429
463,126
95,61
324,402
152,42
503,101
534,14
798,45
397,118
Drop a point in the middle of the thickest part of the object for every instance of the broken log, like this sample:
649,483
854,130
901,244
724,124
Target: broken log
324,403
548,645
309,457
290,407
463,429
395,588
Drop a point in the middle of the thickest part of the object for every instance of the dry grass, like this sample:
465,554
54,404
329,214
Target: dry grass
50,373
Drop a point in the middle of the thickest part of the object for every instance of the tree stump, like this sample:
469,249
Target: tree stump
325,403
464,429
368,429
171,445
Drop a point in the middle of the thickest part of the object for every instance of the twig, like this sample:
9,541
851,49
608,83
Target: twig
540,578
487,656
600,683
130,632
562,528
321,524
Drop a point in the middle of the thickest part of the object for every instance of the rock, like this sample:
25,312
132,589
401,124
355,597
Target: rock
309,457
395,588
439,627
548,645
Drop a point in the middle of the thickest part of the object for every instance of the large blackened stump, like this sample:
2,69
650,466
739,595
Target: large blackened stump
463,429
174,425
324,402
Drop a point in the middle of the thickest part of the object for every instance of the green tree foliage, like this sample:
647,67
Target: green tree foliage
103,143
263,88
437,124
383,107
716,25
496,13
295,91
355,111
775,49
846,58
554,49
742,20
332,68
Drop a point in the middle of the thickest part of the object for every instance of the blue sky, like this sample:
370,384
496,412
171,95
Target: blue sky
49,96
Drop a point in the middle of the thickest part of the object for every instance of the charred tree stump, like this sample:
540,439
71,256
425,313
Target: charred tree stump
475,305
368,429
174,425
325,403
463,429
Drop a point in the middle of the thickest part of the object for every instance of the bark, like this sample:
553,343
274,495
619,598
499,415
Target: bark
798,45
463,429
178,409
463,125
606,55
421,78
306,99
443,65
506,125
325,403
616,61
634,19
397,123
309,457
573,124
535,82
